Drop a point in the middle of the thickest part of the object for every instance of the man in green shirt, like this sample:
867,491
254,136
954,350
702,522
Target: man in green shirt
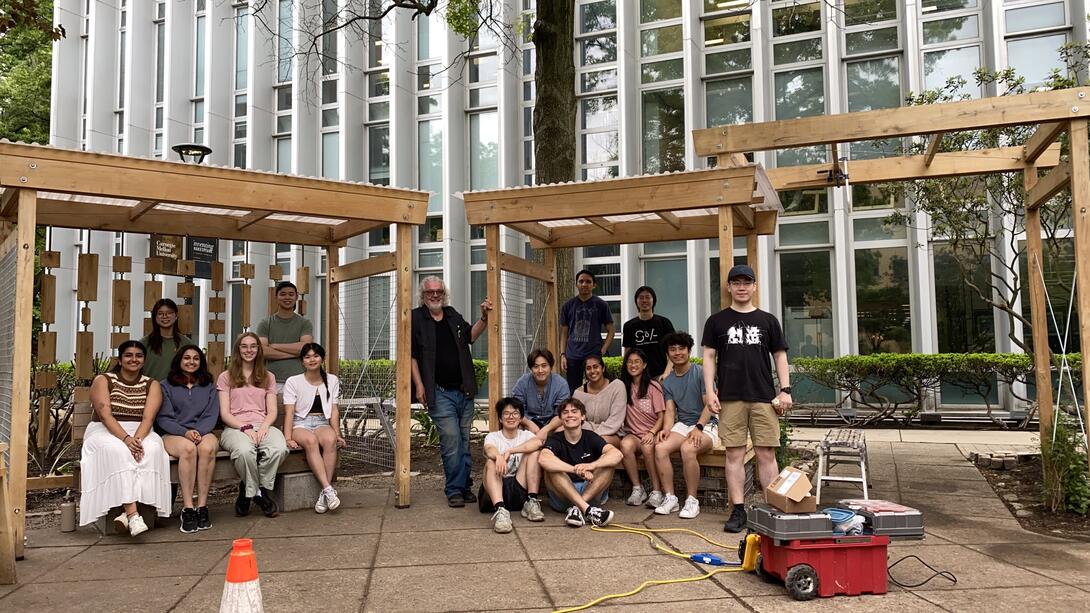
283,335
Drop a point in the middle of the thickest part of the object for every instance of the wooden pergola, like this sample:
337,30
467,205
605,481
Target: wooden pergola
1054,112
94,191
736,199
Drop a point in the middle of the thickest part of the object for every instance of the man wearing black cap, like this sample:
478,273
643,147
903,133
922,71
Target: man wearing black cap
737,344
646,331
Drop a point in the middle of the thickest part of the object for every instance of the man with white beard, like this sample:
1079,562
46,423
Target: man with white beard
443,380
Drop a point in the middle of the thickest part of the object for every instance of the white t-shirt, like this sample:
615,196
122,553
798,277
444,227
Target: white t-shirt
502,444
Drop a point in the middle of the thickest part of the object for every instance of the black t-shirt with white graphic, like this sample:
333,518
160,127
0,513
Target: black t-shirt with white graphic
647,335
744,344
587,449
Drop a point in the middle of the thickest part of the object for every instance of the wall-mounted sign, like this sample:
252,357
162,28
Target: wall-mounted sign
203,252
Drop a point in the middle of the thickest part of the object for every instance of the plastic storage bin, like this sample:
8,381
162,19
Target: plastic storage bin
888,518
773,523
849,565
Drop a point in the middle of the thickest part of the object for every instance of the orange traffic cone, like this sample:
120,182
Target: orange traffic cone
242,590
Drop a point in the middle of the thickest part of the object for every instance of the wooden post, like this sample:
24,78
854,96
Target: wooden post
20,360
404,361
552,310
726,253
7,527
1080,210
753,261
332,312
216,326
1042,355
495,320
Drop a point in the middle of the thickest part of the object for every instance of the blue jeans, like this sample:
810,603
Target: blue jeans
453,417
561,505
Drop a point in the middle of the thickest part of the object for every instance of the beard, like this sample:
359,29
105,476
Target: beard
435,309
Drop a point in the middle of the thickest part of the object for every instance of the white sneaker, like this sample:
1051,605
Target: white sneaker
655,499
331,499
321,506
668,506
691,510
137,525
501,521
121,523
638,497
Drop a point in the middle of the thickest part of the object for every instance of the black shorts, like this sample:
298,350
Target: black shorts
514,496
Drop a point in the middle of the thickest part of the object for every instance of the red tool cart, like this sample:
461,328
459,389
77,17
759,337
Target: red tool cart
850,565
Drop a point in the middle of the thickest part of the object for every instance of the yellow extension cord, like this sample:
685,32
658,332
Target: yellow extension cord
649,534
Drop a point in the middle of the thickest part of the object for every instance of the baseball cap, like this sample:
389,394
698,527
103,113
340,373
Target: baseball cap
741,270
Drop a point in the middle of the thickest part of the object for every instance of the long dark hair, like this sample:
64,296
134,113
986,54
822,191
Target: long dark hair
178,376
605,373
155,339
121,351
645,380
318,349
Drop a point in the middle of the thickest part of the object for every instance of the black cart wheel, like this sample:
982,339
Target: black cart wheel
763,574
801,582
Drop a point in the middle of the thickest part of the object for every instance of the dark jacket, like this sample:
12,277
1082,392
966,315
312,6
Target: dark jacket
423,350
185,409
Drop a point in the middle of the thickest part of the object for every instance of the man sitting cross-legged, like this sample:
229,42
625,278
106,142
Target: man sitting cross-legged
511,475
579,467
689,426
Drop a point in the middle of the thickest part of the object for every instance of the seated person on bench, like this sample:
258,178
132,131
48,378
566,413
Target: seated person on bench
540,391
579,467
311,421
511,475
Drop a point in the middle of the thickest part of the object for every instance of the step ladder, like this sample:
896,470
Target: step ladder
842,446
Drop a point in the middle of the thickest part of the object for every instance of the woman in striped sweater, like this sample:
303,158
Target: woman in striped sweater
123,461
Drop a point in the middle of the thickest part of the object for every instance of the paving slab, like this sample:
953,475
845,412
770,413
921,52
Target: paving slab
575,582
53,537
147,560
677,606
1066,562
950,487
817,434
461,546
38,562
1009,599
937,474
985,437
225,527
972,569
351,551
872,603
430,516
297,590
937,508
562,543
345,520
986,531
131,594
500,586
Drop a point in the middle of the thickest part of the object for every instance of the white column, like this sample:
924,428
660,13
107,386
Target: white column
64,111
260,99
178,86
139,89
102,69
350,93
455,170
219,82
305,81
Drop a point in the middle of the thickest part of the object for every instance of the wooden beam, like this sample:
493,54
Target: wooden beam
1042,354
991,112
493,276
703,226
602,223
349,229
7,524
1080,211
374,265
115,176
403,396
907,168
743,216
534,230
8,201
1048,186
1042,139
20,361
138,211
753,260
526,268
667,192
933,147
670,218
51,482
333,311
726,253
552,305
251,218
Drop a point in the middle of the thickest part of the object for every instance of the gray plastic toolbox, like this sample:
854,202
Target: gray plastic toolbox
769,521
903,523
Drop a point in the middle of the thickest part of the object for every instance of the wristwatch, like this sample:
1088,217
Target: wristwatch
246,428
699,426
786,390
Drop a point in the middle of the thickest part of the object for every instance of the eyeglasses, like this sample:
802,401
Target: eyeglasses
742,283
434,292
507,414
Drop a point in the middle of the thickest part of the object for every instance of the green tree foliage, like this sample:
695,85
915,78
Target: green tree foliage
37,15
25,69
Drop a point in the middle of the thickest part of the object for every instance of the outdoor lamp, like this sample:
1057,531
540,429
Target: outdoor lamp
193,153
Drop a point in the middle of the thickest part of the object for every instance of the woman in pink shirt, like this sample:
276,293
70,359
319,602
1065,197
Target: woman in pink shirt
247,397
642,423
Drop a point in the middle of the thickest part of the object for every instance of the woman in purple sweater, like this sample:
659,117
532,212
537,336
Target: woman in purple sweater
189,413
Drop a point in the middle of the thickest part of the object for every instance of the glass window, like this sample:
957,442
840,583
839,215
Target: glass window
598,50
379,237
198,61
657,41
796,19
860,12
242,51
601,80
805,50
671,283
1034,17
482,96
870,196
800,93
666,70
429,40
812,233
954,28
729,101
664,247
429,258
883,310
1035,58
598,112
804,201
478,289
284,50
484,139
430,161
1058,269
867,41
806,291
378,111
331,155
598,16
431,231
378,84
379,307
329,91
936,6
483,68
938,66
601,251
608,277
378,154
654,10
877,229
965,323
663,130
426,105
283,98
283,155
330,118
600,147
874,84
727,30
728,61
236,309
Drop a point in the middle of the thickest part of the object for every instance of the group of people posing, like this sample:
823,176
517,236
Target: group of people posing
569,434
160,400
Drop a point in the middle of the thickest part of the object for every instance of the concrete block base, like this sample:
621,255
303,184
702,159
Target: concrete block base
296,491
105,524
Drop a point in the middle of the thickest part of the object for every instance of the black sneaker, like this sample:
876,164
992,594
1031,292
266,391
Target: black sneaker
456,501
203,523
599,516
242,503
189,521
469,497
575,517
737,520
265,502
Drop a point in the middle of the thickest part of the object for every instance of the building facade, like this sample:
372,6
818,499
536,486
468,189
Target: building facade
405,102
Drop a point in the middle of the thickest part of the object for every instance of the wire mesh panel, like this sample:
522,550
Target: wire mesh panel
524,301
7,344
368,375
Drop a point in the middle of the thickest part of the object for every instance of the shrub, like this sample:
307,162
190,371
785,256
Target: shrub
1064,483
378,378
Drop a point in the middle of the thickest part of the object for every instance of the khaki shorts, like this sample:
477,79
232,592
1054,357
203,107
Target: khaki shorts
759,419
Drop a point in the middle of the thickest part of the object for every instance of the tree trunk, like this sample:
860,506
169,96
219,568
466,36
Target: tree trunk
555,111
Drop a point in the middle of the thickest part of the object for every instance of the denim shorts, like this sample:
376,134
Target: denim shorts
311,422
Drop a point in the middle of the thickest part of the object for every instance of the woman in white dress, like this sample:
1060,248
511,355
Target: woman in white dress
123,461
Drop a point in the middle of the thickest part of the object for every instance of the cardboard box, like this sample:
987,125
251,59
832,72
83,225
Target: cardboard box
790,492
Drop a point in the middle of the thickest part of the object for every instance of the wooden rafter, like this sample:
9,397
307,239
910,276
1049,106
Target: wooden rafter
743,216
535,230
526,268
702,226
251,218
348,229
602,223
1036,107
138,211
374,265
8,201
670,218
933,147
1042,139
1048,186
